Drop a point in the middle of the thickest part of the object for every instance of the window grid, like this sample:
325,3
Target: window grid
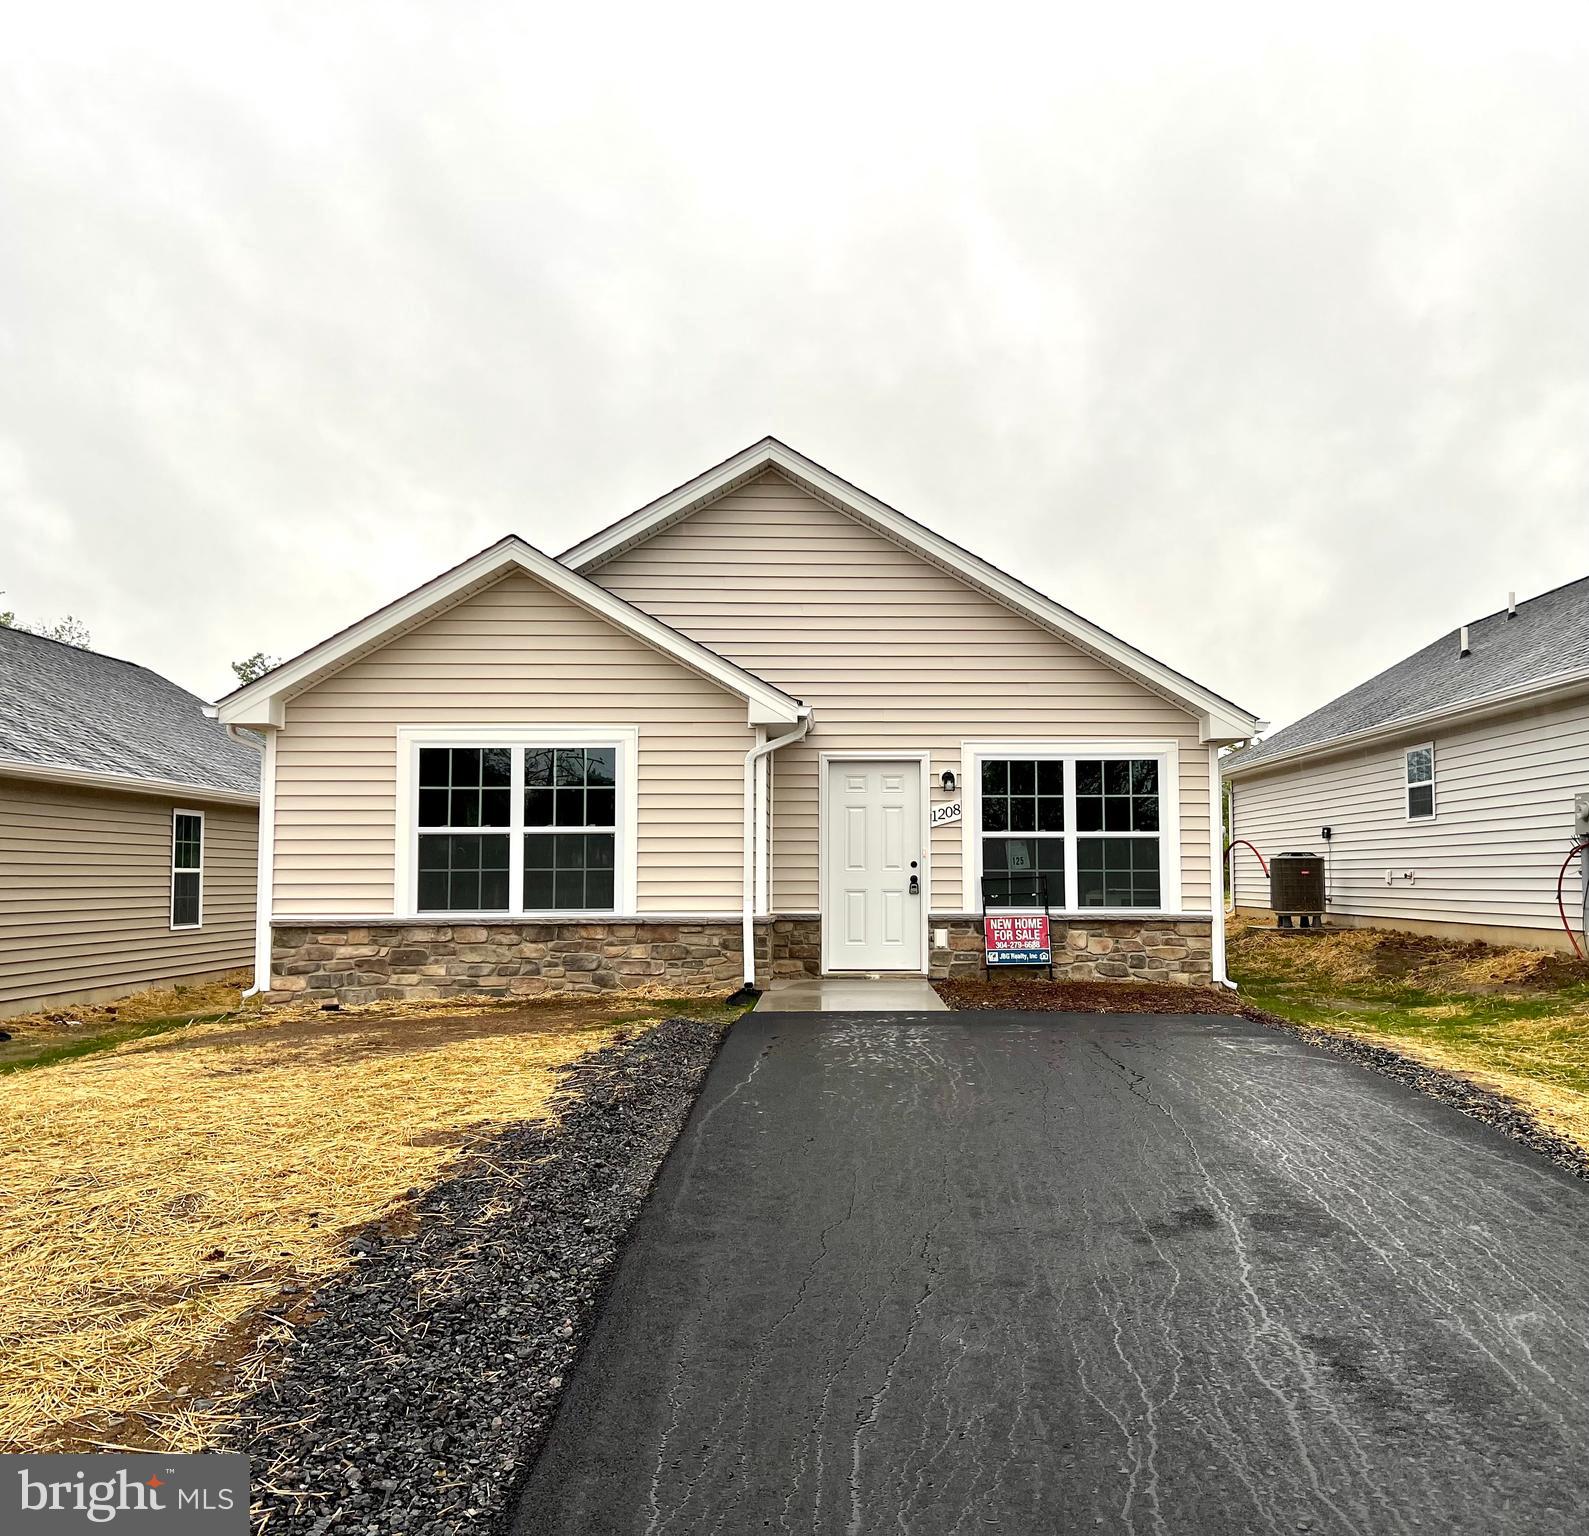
1024,795
1113,797
490,854
187,869
1420,782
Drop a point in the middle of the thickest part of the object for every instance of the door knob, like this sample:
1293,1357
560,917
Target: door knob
915,885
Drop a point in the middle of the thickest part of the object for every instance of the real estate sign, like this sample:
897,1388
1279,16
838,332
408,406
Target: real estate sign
1016,938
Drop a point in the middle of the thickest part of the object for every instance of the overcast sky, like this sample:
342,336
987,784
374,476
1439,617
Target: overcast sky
1264,344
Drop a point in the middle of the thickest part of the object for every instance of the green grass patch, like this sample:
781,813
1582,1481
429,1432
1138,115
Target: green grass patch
24,1055
1532,1042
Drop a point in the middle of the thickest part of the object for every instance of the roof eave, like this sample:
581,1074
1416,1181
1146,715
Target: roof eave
261,705
1406,725
1219,719
85,778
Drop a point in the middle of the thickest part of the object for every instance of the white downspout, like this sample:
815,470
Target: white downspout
267,854
753,761
763,829
1216,851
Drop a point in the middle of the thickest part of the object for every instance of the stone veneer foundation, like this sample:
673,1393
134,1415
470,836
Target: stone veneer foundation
1096,949
375,962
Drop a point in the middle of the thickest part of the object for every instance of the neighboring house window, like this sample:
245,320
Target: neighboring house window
1071,832
1421,783
517,829
187,869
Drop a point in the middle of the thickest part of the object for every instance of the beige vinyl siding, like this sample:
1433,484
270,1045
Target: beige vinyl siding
85,891
892,653
516,653
1503,800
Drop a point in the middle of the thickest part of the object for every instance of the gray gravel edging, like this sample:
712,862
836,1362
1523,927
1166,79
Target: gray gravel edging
1495,1109
419,1392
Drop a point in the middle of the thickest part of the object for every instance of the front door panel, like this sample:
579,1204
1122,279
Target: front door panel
873,820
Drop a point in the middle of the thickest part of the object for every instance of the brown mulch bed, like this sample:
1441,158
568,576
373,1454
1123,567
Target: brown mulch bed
1032,995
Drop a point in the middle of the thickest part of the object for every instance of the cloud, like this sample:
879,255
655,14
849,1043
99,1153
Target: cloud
1261,346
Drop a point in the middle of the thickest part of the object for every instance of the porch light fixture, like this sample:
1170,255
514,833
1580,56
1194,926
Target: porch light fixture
948,780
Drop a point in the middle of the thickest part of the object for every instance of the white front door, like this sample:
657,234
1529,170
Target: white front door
872,918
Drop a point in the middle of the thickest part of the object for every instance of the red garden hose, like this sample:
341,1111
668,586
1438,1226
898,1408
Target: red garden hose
1225,869
1242,842
1561,906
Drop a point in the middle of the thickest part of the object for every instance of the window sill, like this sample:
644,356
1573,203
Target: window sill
569,914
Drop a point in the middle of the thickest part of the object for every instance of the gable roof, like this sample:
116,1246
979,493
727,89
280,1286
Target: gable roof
1221,719
76,716
262,703
1545,646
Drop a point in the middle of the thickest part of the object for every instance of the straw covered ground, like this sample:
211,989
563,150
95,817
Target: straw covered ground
168,1199
1510,1019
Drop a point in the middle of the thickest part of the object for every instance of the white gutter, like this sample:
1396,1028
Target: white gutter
267,854
84,778
753,761
1216,893
1406,725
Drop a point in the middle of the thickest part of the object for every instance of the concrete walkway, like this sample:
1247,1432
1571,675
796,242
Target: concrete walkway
851,994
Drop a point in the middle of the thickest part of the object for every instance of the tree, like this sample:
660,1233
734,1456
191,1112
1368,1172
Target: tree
255,666
69,631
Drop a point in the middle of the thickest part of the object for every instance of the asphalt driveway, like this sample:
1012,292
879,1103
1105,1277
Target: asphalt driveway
1003,1272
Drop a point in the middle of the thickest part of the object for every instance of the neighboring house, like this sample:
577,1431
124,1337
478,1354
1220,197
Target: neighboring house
128,829
1447,782
731,713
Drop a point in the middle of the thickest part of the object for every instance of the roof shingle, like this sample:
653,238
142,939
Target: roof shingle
1548,637
63,707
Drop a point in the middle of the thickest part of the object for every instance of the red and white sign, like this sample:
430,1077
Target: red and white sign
1016,938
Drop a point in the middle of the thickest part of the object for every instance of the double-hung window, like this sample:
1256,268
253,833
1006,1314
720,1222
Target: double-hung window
1421,782
187,869
521,827
1120,798
1071,831
571,828
1024,796
465,824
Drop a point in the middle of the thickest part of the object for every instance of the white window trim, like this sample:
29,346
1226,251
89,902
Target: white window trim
1407,785
171,903
1166,752
624,739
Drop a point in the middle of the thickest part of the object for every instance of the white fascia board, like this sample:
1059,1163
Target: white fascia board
1220,720
83,778
262,704
1541,692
